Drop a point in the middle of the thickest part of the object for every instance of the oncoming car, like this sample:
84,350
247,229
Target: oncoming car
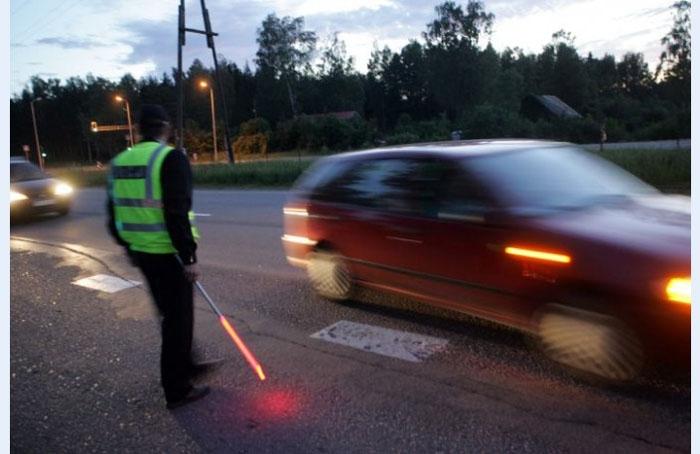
540,236
34,192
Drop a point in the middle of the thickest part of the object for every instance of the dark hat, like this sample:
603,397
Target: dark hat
153,115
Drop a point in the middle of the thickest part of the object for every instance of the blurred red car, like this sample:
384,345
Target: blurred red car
541,236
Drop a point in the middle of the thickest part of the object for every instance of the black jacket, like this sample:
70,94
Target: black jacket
176,182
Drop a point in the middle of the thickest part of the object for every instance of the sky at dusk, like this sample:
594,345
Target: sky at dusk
63,38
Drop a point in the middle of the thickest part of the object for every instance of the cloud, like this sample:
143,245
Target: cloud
388,22
157,41
324,7
68,43
362,23
123,41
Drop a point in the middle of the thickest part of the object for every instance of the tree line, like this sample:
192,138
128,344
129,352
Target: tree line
450,78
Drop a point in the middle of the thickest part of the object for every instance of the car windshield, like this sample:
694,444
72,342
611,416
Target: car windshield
23,171
555,178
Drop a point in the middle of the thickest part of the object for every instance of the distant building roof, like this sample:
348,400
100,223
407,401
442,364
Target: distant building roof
538,106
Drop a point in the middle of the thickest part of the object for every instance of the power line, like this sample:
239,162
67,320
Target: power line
41,23
33,24
20,7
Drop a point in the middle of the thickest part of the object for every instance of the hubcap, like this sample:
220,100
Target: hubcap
329,276
593,343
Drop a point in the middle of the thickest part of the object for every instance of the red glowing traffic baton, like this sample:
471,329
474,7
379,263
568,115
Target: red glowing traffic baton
254,364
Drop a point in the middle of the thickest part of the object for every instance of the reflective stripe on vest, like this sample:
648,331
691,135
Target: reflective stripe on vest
142,227
136,191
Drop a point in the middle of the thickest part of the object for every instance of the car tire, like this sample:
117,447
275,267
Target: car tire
329,275
590,342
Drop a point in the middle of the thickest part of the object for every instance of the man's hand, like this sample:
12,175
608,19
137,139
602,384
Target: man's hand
191,272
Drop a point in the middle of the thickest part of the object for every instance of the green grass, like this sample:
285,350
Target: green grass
250,174
274,174
668,170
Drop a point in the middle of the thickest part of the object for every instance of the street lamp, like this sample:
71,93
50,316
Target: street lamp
128,116
36,134
204,84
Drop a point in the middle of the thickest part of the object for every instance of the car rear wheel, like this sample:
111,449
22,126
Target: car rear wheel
594,343
329,275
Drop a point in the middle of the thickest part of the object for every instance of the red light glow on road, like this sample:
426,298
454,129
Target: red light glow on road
254,364
278,403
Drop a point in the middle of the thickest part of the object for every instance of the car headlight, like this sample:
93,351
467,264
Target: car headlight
678,290
16,196
62,189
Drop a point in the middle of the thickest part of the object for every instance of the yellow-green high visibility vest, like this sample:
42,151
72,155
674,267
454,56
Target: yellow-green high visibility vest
136,192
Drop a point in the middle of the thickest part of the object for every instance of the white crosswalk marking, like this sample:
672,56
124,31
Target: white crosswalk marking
383,341
106,283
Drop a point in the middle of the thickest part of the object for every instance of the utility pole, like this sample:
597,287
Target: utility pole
213,123
217,74
128,117
180,88
205,84
40,161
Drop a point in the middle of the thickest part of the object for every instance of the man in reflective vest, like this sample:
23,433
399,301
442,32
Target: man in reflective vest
149,207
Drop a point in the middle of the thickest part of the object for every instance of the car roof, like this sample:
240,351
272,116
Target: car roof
452,149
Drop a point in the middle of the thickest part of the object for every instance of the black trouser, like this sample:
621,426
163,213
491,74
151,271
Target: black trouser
172,293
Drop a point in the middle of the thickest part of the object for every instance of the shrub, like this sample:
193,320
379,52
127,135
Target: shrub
315,133
255,144
255,126
401,138
490,121
578,130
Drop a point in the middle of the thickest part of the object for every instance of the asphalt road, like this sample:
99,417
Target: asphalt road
84,363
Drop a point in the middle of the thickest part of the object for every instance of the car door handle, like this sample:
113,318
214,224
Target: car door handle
325,217
403,239
401,230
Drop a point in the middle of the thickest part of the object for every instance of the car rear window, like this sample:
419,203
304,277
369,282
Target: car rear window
406,186
23,171
463,197
554,178
320,173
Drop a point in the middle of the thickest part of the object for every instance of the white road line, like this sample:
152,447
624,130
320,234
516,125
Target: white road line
106,283
202,215
383,341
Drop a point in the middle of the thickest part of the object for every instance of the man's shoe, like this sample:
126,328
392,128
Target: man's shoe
200,371
195,393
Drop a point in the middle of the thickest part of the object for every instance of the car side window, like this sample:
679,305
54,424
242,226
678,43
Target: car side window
397,185
320,174
463,198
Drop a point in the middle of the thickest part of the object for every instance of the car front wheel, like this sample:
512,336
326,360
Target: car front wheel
329,275
591,342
